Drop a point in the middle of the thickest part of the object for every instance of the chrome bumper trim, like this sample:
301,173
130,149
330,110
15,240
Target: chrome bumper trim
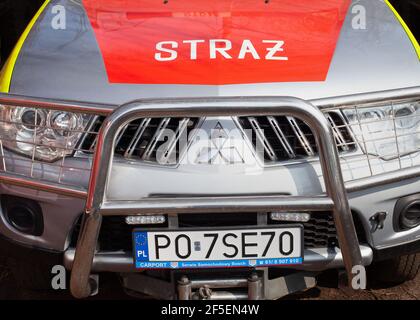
365,98
35,184
120,262
221,204
383,179
314,260
319,259
64,105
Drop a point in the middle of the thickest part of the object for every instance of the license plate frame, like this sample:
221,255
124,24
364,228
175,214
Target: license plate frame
143,263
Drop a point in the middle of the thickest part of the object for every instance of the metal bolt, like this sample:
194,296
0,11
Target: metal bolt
254,277
205,292
184,280
184,288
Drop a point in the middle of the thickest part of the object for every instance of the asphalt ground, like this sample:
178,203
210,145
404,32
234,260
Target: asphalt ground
327,289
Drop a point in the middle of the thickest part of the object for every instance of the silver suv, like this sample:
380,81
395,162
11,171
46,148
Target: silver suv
211,149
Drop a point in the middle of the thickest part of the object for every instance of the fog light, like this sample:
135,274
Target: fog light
156,219
410,217
288,216
22,214
407,213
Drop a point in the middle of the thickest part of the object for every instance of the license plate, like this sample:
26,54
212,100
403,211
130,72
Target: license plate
256,247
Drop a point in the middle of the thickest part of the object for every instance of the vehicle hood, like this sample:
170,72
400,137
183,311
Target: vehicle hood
116,51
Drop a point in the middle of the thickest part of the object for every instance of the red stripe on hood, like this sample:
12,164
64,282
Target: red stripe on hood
128,32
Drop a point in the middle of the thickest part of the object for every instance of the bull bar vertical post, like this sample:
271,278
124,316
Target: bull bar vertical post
270,106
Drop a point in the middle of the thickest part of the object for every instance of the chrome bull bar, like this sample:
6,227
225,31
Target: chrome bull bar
335,198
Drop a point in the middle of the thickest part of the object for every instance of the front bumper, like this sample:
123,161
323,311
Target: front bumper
85,259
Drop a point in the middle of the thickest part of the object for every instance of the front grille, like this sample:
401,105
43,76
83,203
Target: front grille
116,235
155,140
280,138
319,231
284,138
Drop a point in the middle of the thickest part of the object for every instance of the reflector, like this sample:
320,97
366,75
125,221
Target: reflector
157,219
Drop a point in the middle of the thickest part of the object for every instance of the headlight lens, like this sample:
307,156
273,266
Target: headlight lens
47,135
386,131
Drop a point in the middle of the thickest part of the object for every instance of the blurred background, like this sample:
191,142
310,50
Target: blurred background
14,16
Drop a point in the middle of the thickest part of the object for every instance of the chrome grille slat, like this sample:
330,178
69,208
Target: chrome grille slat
183,124
341,142
282,138
136,137
155,139
301,136
262,138
121,134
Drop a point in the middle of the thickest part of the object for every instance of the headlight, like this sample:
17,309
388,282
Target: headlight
386,131
46,135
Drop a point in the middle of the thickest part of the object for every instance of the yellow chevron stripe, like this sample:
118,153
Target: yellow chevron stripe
406,28
7,71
